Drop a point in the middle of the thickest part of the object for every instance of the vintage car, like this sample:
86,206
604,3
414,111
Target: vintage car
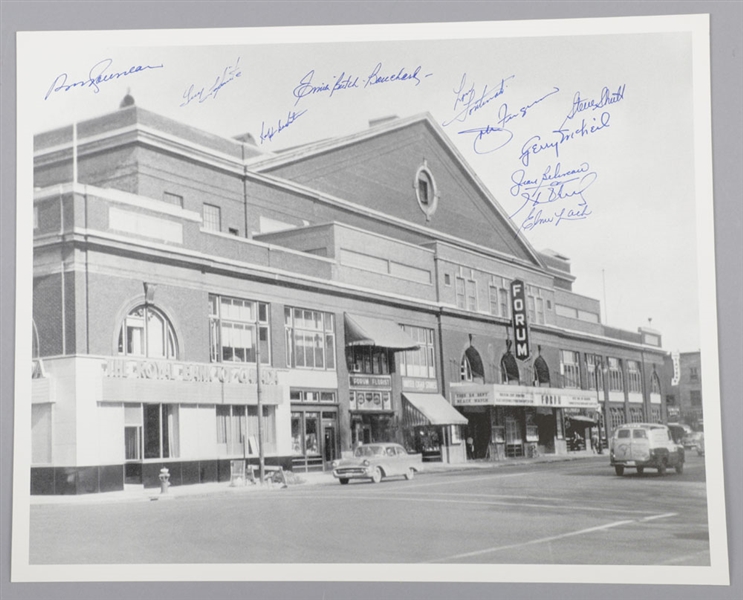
375,461
645,445
691,441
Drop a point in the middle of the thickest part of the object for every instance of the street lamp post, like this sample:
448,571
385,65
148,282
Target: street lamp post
597,361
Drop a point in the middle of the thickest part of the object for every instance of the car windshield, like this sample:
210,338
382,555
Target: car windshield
363,451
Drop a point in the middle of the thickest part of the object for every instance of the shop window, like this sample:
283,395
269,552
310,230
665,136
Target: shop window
570,368
616,415
420,362
310,339
369,360
231,430
615,375
636,414
161,431
594,363
313,396
233,323
147,332
212,217
634,377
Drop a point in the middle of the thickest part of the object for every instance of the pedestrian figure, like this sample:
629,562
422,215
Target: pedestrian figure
595,443
470,448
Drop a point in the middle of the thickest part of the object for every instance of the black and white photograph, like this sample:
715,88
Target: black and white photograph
436,300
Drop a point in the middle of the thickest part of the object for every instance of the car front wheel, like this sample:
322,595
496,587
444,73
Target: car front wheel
662,468
343,481
410,474
377,475
680,468
640,470
619,469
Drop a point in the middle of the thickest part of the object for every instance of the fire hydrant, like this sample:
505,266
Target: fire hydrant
164,480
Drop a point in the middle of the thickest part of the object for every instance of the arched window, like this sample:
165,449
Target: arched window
655,384
466,369
147,332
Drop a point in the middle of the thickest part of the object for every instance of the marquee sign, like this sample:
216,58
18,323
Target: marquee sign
510,395
520,326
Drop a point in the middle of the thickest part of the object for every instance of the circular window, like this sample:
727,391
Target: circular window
425,190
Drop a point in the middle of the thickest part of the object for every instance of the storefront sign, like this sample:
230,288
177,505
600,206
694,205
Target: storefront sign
419,385
520,326
122,368
676,358
370,401
473,398
371,381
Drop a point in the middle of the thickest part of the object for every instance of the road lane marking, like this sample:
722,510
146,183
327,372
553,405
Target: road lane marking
399,497
543,540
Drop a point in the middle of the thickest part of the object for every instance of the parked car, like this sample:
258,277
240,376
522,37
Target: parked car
645,445
375,461
691,441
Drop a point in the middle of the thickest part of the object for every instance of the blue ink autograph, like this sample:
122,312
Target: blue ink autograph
553,187
308,87
402,75
607,98
484,145
534,145
98,74
228,74
467,100
485,142
267,133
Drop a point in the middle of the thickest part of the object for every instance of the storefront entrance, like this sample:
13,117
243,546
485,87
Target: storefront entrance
314,439
369,428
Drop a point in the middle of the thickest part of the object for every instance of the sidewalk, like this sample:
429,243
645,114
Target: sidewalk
137,493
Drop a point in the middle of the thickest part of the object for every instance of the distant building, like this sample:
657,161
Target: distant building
684,399
358,289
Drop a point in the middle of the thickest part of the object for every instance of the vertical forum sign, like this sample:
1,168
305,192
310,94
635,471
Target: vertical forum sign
520,326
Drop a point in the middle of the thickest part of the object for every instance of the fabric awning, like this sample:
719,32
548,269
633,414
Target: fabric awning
435,409
368,331
582,419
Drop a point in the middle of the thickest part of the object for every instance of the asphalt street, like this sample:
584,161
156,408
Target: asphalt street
576,512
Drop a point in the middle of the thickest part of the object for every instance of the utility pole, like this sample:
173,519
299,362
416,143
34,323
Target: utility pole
261,456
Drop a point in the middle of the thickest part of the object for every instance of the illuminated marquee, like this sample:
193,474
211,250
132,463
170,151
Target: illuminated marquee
520,326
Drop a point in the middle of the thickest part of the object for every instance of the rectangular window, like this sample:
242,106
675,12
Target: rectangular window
570,366
231,429
161,431
212,217
233,323
461,299
595,365
615,375
534,305
368,360
493,297
420,362
310,339
471,288
693,373
173,199
634,377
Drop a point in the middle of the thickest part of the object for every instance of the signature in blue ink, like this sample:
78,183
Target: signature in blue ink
564,189
229,73
535,145
505,116
306,86
468,101
488,138
402,75
607,98
267,133
98,74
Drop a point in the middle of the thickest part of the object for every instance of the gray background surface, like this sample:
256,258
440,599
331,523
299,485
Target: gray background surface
727,123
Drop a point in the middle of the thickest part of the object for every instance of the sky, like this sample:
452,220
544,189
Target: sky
594,127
